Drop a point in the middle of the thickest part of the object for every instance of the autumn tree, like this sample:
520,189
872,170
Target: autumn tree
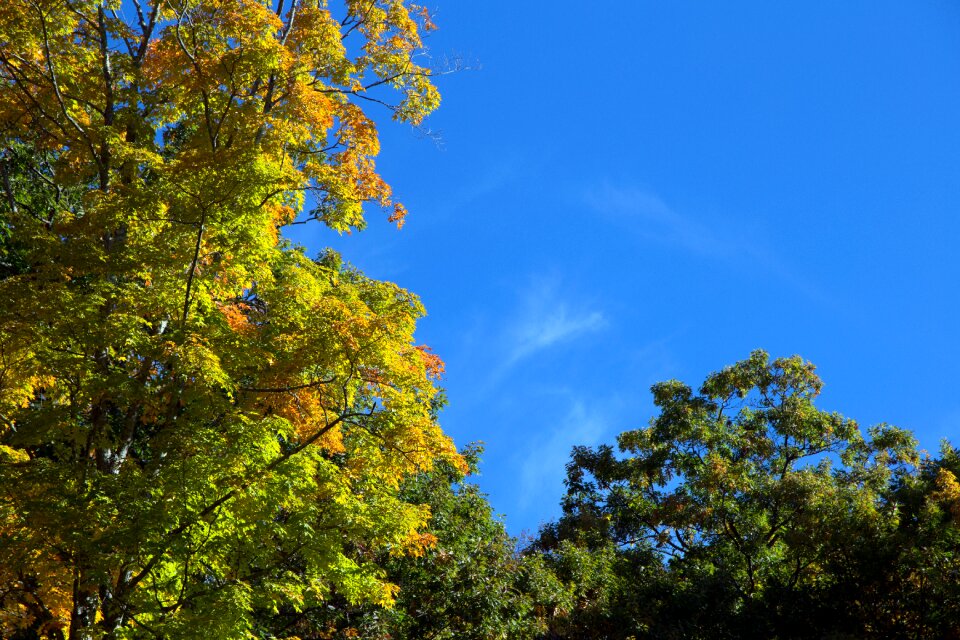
198,421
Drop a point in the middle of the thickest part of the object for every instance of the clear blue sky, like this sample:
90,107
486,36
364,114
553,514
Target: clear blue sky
637,190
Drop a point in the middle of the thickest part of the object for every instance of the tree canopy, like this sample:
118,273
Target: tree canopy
198,421
744,510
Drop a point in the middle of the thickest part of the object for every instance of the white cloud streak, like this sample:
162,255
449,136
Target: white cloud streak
546,320
651,218
543,322
660,222
544,327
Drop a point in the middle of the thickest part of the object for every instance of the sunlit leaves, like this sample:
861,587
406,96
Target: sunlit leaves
198,421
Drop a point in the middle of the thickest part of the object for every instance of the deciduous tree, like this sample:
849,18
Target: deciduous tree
735,512
198,421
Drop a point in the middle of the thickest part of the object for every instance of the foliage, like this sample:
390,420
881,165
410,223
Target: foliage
904,582
469,584
745,511
198,422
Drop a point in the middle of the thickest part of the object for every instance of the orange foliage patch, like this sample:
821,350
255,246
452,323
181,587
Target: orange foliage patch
434,365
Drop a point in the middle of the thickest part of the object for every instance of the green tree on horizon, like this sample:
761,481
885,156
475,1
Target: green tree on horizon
743,510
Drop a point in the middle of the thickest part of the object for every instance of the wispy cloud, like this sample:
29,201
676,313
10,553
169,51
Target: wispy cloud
544,320
660,222
553,326
650,217
547,319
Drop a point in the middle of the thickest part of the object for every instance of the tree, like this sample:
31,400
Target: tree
746,494
902,581
470,585
198,421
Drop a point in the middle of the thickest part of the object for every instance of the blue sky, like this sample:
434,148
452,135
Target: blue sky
632,191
